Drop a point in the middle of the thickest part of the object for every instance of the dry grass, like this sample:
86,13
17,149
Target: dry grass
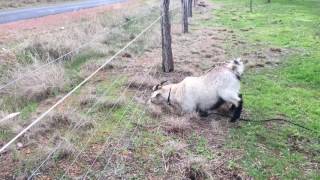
177,125
10,124
47,47
38,85
141,82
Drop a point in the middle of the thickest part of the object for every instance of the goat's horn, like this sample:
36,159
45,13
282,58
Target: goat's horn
163,82
156,87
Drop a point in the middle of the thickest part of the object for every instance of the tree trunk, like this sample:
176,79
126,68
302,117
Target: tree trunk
167,59
184,6
251,5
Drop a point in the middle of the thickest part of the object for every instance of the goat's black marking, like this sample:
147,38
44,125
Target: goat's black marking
238,110
218,104
238,77
236,62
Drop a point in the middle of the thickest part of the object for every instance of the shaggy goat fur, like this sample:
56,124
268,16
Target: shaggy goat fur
205,93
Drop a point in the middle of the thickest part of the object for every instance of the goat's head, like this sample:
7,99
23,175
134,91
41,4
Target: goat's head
161,93
237,66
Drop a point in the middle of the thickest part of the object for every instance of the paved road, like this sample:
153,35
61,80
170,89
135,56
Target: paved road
29,13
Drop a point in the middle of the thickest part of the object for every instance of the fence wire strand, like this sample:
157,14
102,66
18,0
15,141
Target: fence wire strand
9,83
77,87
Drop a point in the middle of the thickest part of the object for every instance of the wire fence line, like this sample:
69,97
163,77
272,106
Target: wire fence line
122,116
92,135
107,143
43,115
87,112
96,37
75,128
78,86
119,141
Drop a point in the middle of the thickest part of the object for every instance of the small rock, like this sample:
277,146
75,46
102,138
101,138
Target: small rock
276,50
127,55
132,36
194,52
259,65
244,29
108,66
23,177
202,4
261,56
19,145
208,56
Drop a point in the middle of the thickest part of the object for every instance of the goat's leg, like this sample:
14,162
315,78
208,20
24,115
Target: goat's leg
202,113
238,110
236,101
217,104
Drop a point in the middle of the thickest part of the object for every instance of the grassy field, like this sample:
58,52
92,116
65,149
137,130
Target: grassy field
122,139
290,90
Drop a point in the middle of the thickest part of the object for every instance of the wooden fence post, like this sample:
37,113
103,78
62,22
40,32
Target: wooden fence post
184,6
189,8
167,59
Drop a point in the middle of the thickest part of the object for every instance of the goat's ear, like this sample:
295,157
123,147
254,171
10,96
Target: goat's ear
236,62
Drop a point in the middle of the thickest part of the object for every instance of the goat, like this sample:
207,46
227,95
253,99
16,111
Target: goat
208,92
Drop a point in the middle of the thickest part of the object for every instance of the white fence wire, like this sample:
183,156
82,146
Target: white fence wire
43,115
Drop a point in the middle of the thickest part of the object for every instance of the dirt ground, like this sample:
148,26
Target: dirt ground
194,54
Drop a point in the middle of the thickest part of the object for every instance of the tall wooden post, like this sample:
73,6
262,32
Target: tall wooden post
184,5
167,59
189,8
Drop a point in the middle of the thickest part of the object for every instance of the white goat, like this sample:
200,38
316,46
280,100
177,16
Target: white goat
205,93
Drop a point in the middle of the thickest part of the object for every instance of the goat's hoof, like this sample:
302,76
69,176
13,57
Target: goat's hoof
203,114
233,120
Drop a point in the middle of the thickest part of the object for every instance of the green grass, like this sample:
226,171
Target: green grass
28,110
79,59
291,90
201,147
